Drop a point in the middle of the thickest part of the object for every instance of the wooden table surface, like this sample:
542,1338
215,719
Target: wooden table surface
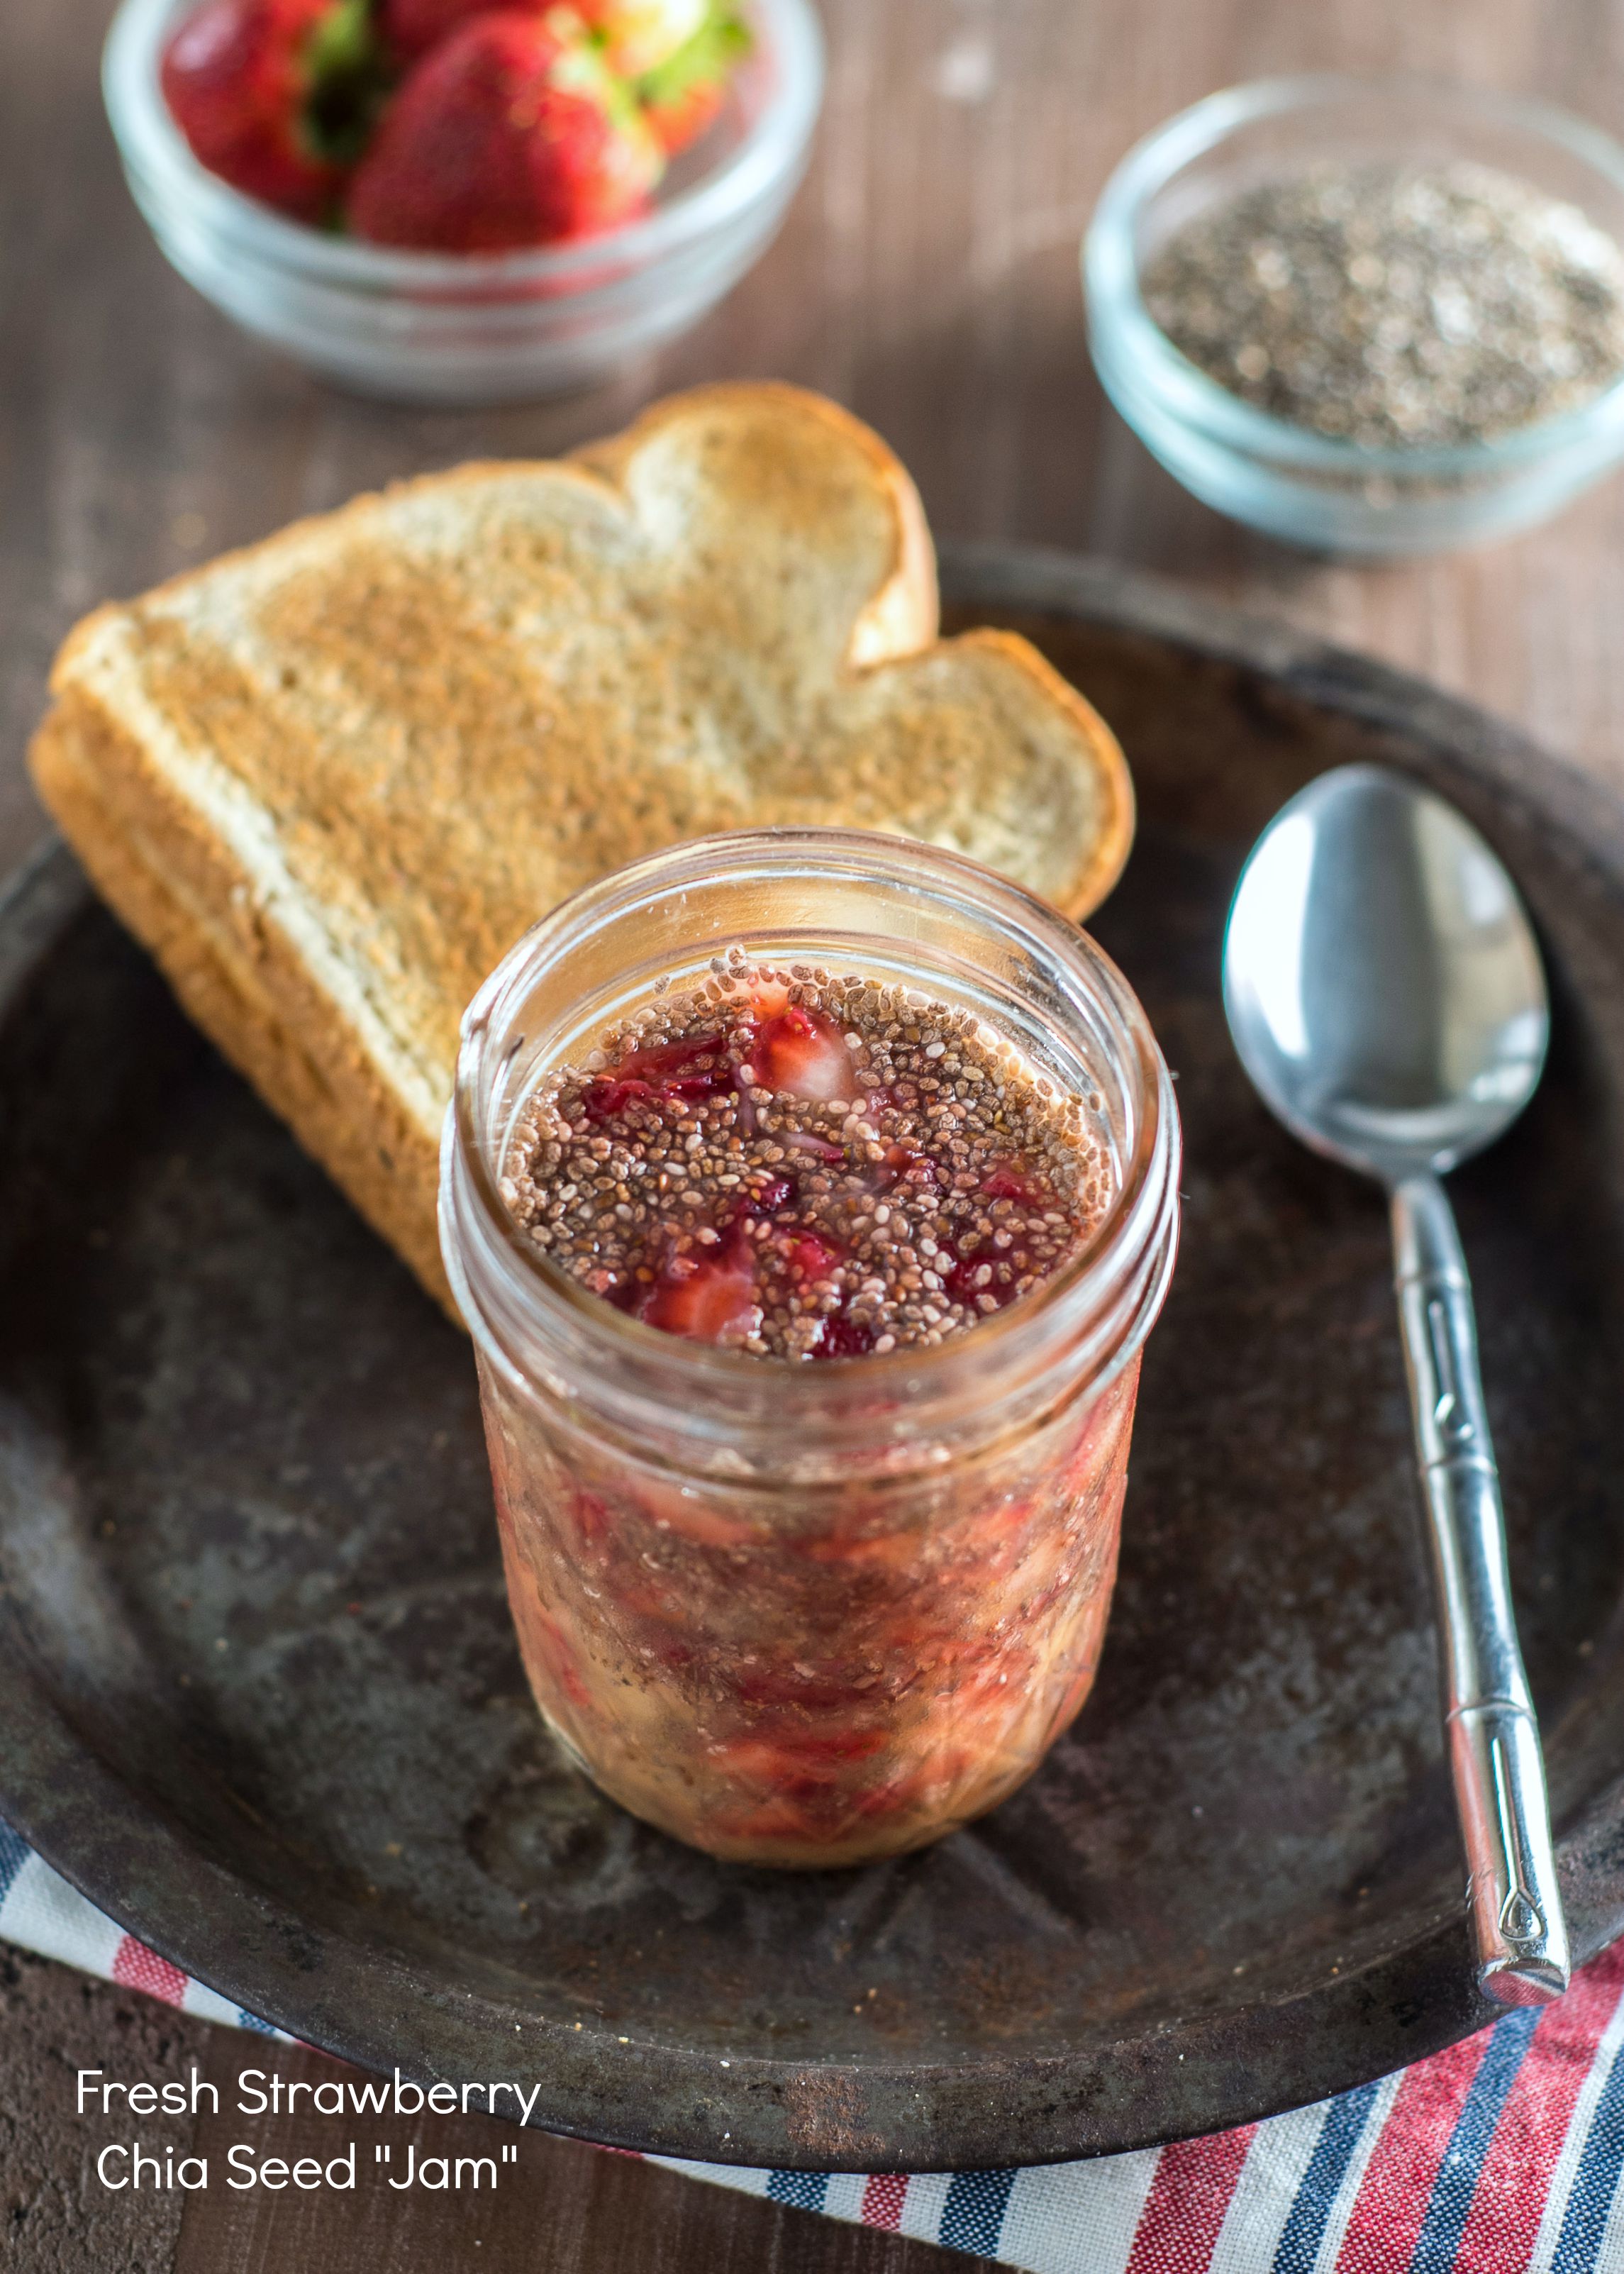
927,277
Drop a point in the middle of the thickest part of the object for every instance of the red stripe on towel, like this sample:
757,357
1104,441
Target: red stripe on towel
1185,2211
141,1969
884,2196
1403,2168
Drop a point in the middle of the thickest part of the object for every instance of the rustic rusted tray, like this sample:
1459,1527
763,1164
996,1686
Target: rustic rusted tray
259,1699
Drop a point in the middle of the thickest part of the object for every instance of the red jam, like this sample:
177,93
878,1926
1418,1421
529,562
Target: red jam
807,1169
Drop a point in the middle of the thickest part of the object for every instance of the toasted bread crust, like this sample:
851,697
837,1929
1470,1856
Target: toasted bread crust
329,779
194,908
1098,869
904,613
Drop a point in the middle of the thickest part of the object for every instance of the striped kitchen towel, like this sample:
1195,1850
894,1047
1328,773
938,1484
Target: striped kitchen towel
1501,2156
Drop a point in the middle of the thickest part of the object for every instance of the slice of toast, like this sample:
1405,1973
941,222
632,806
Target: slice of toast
330,780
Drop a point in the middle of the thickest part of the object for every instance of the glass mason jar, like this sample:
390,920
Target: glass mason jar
811,1614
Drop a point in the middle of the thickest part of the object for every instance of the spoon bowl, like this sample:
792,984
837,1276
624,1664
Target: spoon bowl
1381,980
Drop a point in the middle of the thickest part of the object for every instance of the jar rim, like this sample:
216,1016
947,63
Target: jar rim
1052,1314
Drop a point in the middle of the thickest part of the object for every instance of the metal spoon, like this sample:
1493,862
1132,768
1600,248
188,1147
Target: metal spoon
1386,998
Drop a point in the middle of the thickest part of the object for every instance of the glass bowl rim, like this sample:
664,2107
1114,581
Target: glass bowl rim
1082,1286
1124,329
153,146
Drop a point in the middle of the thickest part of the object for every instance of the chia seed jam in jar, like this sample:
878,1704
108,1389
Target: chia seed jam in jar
809,1196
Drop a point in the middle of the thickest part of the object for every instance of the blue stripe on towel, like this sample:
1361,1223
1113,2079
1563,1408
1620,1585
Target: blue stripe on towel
14,1853
973,2216
1439,2239
805,2189
1297,2251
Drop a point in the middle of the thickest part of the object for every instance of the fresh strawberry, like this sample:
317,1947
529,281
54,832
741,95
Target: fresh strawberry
413,26
680,121
679,52
634,36
507,135
803,1052
640,36
682,90
712,1298
277,97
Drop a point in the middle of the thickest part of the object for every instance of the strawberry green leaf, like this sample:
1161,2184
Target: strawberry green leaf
715,50
349,78
342,43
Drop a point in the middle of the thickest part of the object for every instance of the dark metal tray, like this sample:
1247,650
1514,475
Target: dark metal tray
259,1699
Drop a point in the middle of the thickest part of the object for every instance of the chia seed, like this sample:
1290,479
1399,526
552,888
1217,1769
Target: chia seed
805,1166
1396,306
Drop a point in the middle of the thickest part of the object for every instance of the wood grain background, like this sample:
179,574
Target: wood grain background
928,277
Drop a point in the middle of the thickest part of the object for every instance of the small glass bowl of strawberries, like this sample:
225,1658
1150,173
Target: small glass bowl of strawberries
452,201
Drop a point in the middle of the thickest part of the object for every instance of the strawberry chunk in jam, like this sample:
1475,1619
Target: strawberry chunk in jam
1005,1183
698,1066
709,1298
804,1054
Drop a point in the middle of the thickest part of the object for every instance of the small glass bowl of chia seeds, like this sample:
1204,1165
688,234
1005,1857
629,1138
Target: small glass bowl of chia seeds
1371,316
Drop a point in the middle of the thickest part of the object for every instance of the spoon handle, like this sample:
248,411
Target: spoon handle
1499,1771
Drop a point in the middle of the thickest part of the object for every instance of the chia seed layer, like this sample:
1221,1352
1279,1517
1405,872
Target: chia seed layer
806,1165
1396,306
